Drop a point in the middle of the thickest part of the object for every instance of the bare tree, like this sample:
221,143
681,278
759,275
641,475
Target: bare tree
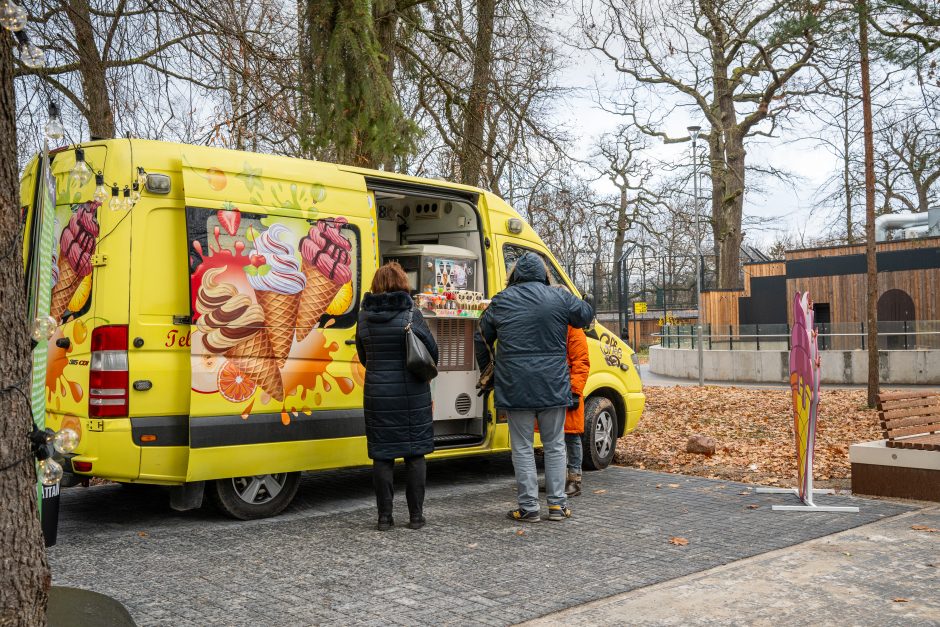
736,62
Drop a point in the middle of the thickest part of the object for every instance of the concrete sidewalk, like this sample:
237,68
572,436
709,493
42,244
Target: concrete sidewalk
885,573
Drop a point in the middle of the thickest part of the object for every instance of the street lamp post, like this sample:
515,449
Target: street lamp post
694,133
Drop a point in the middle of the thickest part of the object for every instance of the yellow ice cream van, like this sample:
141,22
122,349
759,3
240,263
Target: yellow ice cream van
206,303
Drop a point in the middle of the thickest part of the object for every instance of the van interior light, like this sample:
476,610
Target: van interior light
158,183
514,225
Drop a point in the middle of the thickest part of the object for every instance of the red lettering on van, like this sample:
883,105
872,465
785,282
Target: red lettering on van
173,337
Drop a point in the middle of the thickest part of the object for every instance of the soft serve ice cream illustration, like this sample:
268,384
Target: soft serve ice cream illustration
76,247
274,274
233,325
325,254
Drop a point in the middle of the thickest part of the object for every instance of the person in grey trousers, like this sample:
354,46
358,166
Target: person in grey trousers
530,321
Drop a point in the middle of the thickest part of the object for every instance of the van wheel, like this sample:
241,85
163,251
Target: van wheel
259,496
600,437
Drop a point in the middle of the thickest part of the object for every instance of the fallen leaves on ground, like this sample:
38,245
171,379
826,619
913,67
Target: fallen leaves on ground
600,491
754,432
924,528
678,541
143,534
900,600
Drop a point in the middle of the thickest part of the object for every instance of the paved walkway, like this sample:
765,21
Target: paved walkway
880,574
322,562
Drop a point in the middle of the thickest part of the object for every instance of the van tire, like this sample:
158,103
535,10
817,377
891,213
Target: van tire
230,495
600,433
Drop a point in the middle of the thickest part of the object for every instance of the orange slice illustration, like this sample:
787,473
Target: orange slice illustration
233,385
341,302
80,297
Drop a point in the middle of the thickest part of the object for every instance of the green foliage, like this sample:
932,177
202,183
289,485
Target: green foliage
354,113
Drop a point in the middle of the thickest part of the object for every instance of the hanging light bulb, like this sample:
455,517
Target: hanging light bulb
81,173
65,441
50,471
141,178
54,128
116,203
126,204
13,17
43,328
101,192
135,193
31,55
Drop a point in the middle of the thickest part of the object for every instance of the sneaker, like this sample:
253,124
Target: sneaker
521,515
416,522
573,487
385,522
558,512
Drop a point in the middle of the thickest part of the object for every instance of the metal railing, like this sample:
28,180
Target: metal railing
892,335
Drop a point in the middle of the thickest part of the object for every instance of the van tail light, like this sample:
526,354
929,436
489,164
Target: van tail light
108,379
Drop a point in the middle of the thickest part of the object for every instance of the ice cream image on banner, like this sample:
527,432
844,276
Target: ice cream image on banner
233,325
76,247
274,274
325,254
804,392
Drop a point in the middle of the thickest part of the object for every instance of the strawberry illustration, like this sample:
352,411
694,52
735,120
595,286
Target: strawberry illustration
230,218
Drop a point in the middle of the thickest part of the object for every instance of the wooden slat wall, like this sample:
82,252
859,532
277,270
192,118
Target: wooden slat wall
859,249
721,307
846,294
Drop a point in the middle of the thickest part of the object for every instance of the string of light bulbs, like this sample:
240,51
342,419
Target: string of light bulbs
14,18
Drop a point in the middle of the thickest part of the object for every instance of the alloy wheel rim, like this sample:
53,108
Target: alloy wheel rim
259,489
603,434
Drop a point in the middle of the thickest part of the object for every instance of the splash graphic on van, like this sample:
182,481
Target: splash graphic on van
264,292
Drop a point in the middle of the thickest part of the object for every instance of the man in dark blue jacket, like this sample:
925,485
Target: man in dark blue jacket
531,380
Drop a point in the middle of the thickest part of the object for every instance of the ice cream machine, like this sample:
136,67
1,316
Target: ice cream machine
447,290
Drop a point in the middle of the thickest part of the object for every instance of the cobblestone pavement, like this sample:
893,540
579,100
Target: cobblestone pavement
323,562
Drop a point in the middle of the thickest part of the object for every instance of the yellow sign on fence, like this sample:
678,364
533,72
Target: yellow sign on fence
639,307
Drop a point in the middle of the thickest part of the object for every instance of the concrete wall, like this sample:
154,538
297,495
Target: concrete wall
906,367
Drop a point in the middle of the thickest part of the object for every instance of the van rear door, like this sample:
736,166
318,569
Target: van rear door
276,267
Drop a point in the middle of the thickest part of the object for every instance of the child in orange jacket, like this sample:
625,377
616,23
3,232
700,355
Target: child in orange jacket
579,365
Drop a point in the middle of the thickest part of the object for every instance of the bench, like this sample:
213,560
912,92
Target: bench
910,420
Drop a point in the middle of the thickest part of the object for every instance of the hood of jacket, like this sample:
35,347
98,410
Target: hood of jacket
529,269
383,307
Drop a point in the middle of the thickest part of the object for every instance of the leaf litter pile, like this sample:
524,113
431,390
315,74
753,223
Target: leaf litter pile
753,430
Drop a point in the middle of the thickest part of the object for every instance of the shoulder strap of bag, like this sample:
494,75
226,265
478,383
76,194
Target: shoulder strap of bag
408,320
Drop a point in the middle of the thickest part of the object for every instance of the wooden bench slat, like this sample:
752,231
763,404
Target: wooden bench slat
897,423
927,443
903,404
930,411
889,396
909,431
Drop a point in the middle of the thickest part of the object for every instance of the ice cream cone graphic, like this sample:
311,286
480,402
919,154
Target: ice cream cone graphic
325,254
233,325
255,358
275,276
76,247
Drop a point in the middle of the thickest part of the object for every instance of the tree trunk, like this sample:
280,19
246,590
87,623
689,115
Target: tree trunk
305,72
98,111
870,250
471,150
24,573
728,206
385,13
847,165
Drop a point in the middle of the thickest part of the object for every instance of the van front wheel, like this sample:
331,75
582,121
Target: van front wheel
600,433
258,496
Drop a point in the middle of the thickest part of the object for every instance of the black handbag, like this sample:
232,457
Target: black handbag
417,358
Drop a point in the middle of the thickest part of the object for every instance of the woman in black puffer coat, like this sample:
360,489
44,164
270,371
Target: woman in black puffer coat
397,405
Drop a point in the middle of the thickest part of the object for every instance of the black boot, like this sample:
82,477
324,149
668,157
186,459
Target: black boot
385,522
416,520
